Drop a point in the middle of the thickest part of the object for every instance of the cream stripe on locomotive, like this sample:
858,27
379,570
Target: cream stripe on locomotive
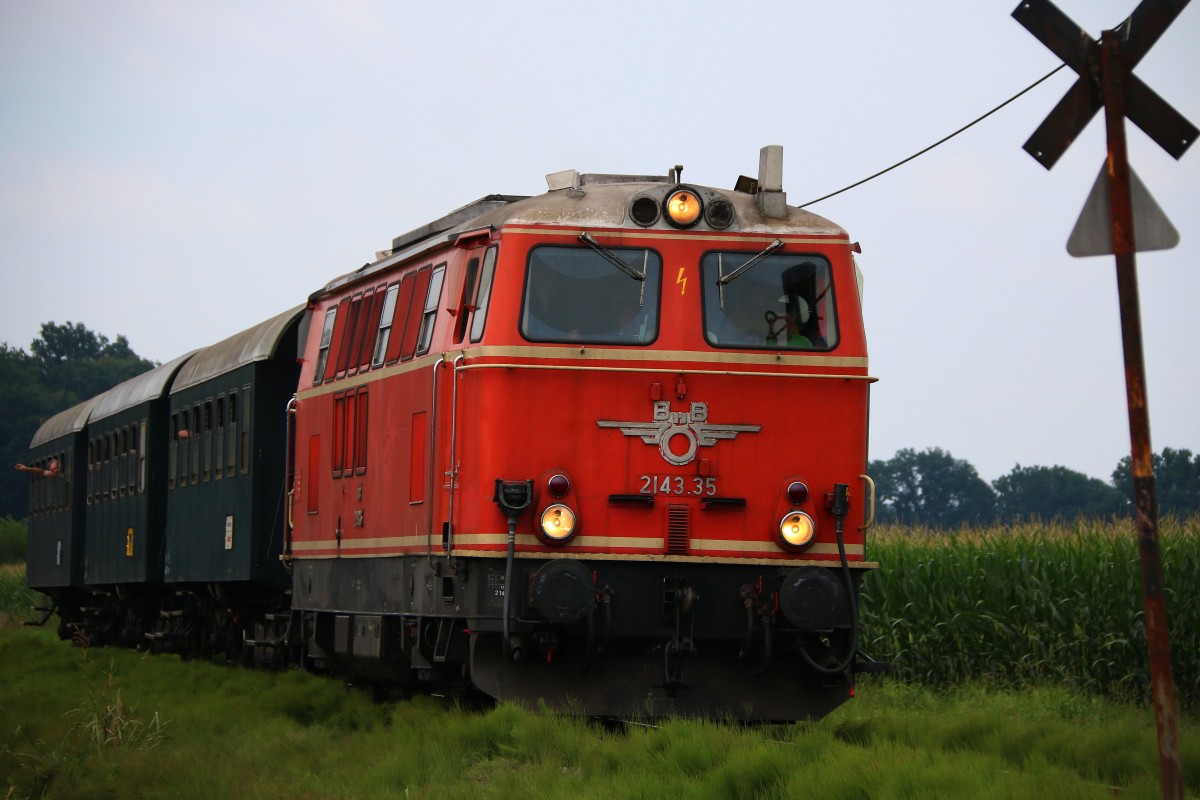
671,358
581,543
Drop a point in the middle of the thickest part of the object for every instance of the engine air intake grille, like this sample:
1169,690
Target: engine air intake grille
678,529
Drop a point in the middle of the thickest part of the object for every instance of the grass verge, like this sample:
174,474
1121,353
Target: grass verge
197,730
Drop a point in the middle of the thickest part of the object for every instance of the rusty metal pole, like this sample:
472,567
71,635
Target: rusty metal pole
1162,685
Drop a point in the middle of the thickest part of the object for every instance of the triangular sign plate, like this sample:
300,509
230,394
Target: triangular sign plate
1092,235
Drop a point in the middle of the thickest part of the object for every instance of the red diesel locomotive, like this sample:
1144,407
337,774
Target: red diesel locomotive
603,448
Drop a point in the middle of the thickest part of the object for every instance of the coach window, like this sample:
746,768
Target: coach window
326,338
780,302
120,436
132,455
245,430
219,440
429,318
576,294
208,439
141,456
173,451
111,462
129,445
485,294
196,441
184,437
385,325
231,448
91,470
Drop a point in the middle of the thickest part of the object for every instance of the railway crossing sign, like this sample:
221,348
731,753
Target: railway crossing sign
1143,106
1106,80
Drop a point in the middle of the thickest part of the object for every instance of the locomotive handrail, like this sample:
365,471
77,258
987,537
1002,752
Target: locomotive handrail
290,466
871,506
432,458
449,544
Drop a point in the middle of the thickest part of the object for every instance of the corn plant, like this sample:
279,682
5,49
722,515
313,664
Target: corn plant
1031,604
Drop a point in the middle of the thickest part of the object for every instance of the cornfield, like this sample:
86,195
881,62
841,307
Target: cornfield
1031,604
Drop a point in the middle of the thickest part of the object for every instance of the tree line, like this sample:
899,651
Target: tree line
69,363
65,365
934,489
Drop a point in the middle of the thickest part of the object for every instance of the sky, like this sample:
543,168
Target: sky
176,172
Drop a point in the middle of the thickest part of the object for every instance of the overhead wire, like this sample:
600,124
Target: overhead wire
941,141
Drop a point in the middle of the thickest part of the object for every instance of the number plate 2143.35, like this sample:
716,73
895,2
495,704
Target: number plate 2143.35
682,485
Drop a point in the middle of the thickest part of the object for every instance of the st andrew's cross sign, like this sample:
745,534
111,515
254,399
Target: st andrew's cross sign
1080,52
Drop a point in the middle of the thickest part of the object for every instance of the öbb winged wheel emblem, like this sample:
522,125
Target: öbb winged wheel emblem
667,425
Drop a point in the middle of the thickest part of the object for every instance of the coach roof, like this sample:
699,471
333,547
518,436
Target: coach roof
135,391
253,344
64,423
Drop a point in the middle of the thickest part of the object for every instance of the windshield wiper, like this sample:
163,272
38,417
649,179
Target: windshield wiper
723,279
608,256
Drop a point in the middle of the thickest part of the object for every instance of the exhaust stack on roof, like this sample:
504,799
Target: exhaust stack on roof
772,200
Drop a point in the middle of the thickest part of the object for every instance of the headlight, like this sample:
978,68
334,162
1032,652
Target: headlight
558,523
796,530
719,214
683,208
644,211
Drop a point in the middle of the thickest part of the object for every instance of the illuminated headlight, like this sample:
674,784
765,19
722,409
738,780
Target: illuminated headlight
683,208
796,530
558,523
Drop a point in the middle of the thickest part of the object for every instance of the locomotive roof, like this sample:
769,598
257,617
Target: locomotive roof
145,387
64,423
253,344
594,200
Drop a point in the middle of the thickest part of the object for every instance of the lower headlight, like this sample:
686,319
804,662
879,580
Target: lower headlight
796,530
558,523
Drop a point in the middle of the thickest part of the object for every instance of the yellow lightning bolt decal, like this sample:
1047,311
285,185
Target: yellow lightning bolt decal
682,281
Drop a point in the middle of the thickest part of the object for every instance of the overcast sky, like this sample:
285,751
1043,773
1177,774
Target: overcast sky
178,171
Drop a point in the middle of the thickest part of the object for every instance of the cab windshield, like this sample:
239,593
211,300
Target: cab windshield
781,302
574,294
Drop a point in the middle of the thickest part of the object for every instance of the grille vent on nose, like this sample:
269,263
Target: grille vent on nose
678,529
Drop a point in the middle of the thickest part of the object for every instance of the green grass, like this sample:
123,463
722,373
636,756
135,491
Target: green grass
199,730
16,599
13,536
1031,605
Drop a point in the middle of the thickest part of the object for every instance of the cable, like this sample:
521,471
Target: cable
938,142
